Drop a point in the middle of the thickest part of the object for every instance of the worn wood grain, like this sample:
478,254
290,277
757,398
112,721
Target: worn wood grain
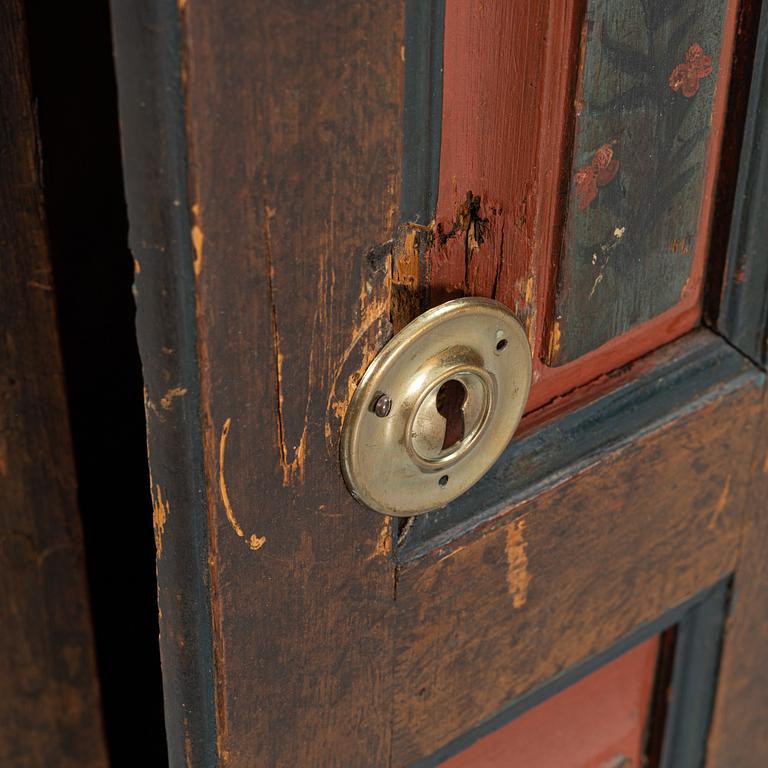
291,151
572,569
557,442
49,698
739,738
294,116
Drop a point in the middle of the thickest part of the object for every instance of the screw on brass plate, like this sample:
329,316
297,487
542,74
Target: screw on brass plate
382,406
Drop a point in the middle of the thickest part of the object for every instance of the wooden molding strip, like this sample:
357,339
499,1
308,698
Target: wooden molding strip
147,40
678,378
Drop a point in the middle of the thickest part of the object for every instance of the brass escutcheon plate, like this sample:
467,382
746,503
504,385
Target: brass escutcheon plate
436,407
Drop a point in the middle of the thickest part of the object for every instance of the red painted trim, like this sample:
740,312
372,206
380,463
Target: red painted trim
506,136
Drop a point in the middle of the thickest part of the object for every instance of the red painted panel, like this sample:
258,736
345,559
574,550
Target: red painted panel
510,72
598,722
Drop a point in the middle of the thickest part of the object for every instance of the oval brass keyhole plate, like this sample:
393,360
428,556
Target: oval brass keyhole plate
436,407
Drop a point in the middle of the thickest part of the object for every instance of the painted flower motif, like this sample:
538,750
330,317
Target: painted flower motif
598,173
685,77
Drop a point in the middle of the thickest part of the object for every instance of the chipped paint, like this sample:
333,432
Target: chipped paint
518,575
451,553
722,503
253,541
160,510
598,280
529,291
553,346
384,541
167,399
527,313
198,238
679,245
222,483
606,249
405,275
293,467
373,307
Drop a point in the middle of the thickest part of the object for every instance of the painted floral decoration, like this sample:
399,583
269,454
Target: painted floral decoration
685,77
598,173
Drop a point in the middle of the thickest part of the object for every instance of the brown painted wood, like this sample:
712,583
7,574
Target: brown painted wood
569,571
274,247
49,699
507,134
739,737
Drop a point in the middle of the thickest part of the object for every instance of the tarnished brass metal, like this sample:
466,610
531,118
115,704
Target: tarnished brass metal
436,407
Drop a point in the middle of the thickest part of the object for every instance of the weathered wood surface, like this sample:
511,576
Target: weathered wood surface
559,441
266,269
643,169
509,143
263,157
739,737
567,572
49,699
504,140
743,310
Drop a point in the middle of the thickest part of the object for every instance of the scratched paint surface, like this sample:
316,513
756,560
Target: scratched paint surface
643,104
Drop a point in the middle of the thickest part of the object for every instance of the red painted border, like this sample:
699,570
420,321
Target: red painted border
506,136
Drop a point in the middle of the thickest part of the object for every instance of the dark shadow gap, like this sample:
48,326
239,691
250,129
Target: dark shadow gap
730,155
73,81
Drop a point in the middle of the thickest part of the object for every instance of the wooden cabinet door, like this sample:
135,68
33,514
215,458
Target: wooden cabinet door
305,178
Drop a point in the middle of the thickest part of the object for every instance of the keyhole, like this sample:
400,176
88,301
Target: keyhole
450,401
